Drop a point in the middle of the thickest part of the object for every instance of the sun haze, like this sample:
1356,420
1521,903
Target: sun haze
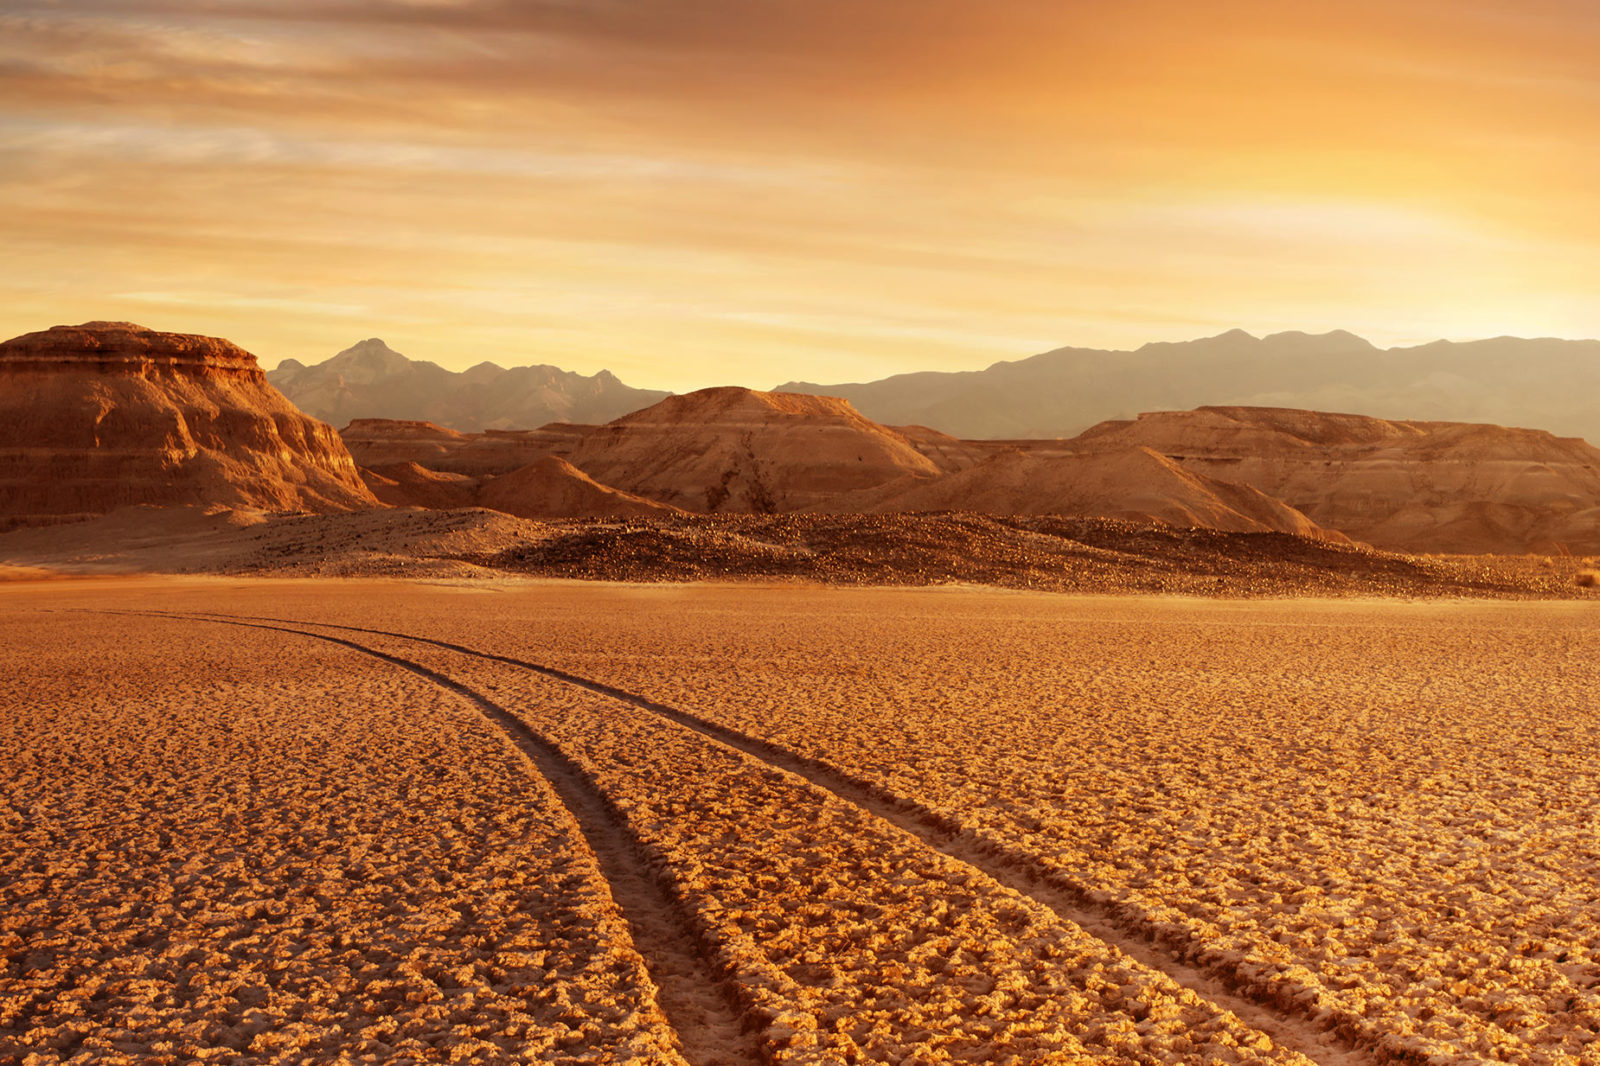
728,192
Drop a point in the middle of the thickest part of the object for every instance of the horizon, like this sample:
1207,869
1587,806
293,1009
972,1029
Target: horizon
818,191
458,366
1255,336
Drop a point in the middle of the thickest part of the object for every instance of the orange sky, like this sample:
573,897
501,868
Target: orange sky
692,192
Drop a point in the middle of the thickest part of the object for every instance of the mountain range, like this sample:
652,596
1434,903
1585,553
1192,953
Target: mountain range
107,415
1510,381
1506,381
372,380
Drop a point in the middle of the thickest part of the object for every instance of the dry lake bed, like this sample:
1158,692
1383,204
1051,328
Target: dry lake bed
370,821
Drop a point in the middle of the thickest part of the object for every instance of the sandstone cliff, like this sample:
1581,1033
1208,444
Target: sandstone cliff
110,414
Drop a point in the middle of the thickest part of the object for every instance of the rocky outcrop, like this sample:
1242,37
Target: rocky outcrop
737,450
111,414
1404,485
372,380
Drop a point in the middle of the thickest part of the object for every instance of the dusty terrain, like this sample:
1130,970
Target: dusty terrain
1041,552
268,821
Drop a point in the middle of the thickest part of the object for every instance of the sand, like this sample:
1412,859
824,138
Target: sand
792,825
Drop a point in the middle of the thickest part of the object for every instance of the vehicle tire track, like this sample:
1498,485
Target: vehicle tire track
699,1006
1288,1024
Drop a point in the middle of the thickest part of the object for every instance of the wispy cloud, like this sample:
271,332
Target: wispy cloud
638,183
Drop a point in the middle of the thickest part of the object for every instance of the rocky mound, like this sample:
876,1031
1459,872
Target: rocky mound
372,380
735,449
554,488
110,414
1404,485
1092,555
1136,484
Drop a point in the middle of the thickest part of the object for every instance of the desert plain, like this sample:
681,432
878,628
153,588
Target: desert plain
288,821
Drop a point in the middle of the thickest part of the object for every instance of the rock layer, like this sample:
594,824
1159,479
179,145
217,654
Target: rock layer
111,414
1403,485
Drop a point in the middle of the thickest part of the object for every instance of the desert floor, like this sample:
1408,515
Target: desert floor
378,821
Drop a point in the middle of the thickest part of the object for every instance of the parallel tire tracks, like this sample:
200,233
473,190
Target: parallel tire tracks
698,1005
1287,1024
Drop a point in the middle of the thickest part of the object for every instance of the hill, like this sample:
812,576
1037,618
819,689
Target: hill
734,449
1405,485
1135,484
110,414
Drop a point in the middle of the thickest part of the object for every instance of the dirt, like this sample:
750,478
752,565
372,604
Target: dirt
275,821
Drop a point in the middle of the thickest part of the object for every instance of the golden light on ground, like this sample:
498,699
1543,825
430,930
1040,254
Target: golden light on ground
744,193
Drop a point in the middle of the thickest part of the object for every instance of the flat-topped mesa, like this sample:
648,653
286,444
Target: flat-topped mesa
125,347
110,414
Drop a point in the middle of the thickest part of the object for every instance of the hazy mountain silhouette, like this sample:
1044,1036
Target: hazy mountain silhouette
371,380
1509,381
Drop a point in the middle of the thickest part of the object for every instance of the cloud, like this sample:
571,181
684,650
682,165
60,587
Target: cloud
772,179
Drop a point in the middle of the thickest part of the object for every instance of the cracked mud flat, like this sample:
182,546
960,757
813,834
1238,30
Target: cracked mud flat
793,826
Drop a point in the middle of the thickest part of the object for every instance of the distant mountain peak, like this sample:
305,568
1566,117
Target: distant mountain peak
369,379
371,344
1333,340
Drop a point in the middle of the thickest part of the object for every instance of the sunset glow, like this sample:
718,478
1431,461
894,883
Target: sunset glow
736,192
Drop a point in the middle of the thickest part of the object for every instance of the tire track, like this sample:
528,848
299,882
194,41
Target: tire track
698,1005
1287,1024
